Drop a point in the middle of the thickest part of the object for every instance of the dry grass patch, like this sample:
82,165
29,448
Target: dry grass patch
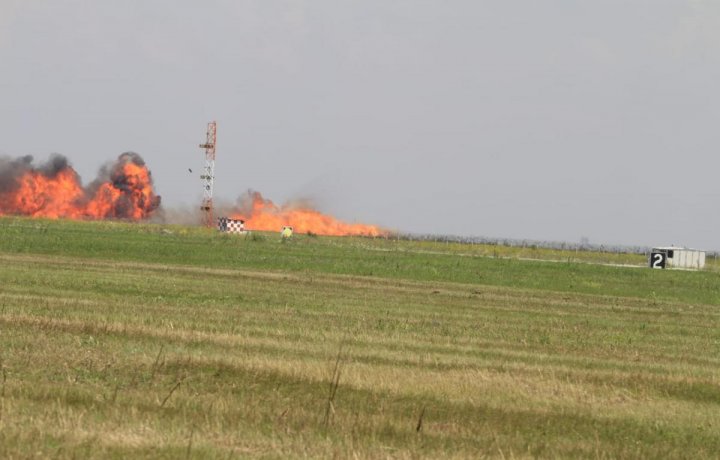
105,359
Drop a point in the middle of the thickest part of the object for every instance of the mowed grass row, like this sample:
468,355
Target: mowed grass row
354,256
228,354
22,229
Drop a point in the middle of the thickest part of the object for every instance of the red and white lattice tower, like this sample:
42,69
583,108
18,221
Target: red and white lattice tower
208,175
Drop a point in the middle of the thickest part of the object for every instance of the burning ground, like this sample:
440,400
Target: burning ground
262,214
122,190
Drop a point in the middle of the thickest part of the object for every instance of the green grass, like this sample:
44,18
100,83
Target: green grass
121,340
356,256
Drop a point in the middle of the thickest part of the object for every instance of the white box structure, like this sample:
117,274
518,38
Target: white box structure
228,225
679,257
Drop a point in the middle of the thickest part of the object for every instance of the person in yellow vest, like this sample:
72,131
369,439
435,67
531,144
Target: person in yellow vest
286,232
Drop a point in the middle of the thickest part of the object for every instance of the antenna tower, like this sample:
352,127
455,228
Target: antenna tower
208,175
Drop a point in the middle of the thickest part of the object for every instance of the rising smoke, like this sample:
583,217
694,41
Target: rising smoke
122,190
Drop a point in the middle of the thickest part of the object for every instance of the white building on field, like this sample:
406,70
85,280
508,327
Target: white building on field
678,257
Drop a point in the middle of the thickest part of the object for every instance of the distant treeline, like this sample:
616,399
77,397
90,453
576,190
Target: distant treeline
532,244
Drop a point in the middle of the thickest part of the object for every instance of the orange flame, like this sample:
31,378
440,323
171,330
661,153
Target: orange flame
264,215
126,193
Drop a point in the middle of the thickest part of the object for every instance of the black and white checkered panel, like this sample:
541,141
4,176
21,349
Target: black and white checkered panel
235,226
228,225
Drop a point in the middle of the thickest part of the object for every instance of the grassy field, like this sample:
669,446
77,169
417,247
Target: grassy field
145,341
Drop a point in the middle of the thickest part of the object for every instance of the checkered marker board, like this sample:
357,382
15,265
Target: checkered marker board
225,224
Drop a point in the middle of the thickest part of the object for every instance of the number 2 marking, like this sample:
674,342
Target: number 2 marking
657,260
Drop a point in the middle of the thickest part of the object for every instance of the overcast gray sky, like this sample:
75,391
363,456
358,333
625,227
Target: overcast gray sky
520,119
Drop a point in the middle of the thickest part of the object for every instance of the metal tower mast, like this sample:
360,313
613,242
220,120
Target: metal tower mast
209,174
